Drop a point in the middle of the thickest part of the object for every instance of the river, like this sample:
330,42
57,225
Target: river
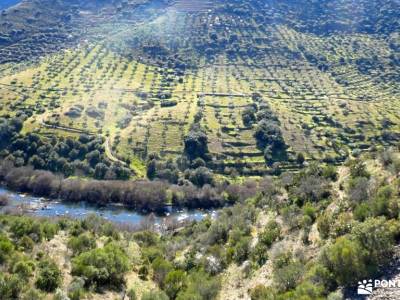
115,213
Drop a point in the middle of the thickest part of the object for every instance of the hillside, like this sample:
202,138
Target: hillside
327,73
277,121
310,235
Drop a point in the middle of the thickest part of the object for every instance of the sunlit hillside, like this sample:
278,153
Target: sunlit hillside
140,81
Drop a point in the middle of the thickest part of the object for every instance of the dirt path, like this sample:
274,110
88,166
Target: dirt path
57,250
107,147
110,154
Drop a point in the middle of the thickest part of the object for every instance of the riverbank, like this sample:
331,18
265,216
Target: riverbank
42,207
139,195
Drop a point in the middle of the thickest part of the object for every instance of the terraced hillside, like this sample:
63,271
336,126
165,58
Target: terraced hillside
143,73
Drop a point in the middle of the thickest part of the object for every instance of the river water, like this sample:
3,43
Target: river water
114,213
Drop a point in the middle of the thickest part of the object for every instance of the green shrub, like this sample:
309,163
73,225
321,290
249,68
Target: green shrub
200,286
310,211
24,269
282,259
358,169
291,216
330,172
362,211
375,236
102,267
32,294
261,292
287,276
320,275
108,229
76,229
36,230
259,255
324,223
271,233
196,143
217,233
161,268
151,253
26,243
26,226
146,238
385,203
6,248
143,272
155,295
49,229
10,286
76,289
394,227
305,291
49,277
346,259
358,189
336,295
60,295
240,251
131,294
82,243
174,282
342,225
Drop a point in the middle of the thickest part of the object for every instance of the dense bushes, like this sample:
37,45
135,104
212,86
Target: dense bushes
81,243
24,269
36,230
9,128
10,286
269,136
168,171
154,295
161,268
174,282
49,277
142,195
376,237
196,143
68,156
180,172
6,248
358,233
346,259
200,286
248,116
102,267
270,234
276,221
200,176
